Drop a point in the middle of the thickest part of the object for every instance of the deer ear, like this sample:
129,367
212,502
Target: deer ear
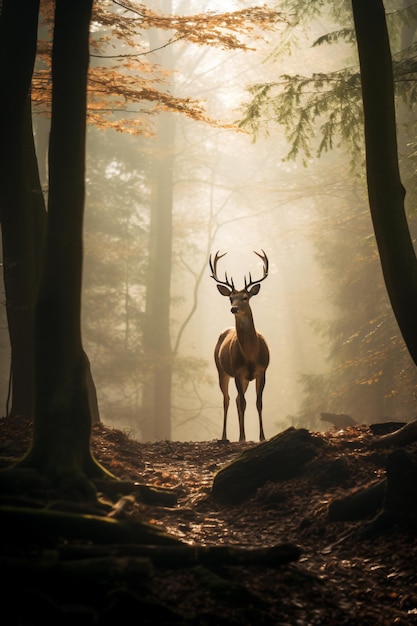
255,289
225,291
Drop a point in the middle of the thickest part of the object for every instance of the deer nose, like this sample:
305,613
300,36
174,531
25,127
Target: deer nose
234,309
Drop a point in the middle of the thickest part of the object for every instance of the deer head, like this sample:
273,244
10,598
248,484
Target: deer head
239,299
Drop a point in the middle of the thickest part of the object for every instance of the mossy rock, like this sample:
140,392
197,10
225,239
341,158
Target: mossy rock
277,459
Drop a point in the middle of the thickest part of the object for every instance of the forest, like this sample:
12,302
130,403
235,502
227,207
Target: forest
154,157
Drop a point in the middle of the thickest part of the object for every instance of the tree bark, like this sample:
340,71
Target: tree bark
401,493
401,437
279,458
385,190
22,210
62,425
30,526
157,337
157,340
184,555
359,504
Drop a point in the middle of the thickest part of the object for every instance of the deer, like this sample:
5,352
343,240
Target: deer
241,352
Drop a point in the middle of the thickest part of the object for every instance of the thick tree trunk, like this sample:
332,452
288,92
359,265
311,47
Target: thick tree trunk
22,212
386,193
62,428
22,204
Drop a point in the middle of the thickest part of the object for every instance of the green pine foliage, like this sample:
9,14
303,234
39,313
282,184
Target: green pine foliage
370,374
325,105
324,110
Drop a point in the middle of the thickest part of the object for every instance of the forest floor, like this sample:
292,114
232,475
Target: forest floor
340,578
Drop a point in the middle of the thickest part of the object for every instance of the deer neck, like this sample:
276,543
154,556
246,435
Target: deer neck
247,336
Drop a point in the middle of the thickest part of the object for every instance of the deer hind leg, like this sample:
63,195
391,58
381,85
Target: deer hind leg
241,387
224,386
260,384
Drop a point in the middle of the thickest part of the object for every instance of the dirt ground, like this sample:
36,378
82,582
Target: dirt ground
339,579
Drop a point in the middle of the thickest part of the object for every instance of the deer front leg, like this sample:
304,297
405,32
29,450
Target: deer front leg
224,386
260,384
241,406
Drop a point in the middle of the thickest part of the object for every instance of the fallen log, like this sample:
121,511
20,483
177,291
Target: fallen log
358,505
385,428
148,494
339,420
391,500
401,437
187,555
106,569
22,525
279,458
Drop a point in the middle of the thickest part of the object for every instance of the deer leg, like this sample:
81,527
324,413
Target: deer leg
241,406
224,386
260,384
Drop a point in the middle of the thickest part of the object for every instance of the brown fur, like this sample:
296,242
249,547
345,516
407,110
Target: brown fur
241,353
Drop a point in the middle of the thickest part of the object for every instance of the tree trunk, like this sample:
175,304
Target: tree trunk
22,211
157,338
62,427
22,204
385,190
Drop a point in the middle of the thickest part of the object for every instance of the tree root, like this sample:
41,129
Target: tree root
22,525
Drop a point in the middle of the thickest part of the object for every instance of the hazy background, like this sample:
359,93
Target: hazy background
229,194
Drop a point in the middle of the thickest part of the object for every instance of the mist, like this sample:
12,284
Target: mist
235,195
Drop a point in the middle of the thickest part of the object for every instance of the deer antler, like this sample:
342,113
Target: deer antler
266,266
213,267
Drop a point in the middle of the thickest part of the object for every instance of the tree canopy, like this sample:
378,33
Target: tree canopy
328,104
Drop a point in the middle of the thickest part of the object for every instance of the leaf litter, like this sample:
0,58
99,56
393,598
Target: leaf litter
340,578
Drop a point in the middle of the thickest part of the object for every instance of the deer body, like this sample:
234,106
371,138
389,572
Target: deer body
241,353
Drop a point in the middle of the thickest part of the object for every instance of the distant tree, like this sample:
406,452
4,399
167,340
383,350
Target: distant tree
371,374
116,244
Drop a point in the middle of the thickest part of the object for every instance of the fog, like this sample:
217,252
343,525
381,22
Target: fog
229,193
260,214
236,195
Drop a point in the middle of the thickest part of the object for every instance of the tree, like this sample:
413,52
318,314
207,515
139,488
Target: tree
109,85
115,260
157,336
22,210
386,192
366,352
61,440
319,110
